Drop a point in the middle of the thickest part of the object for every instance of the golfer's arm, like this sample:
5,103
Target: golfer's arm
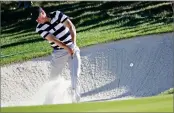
52,38
72,29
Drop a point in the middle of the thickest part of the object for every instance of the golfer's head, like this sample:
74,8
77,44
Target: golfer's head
40,15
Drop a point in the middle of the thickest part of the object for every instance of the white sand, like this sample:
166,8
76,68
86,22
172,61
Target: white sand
124,69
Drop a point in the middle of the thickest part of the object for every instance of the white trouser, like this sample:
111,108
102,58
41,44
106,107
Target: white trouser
59,60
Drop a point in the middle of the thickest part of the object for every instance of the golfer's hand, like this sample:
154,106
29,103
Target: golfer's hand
70,51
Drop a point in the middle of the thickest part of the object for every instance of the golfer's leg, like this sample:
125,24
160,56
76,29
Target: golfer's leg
57,65
75,69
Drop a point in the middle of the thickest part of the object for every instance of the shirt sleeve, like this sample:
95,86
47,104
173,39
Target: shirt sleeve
42,33
61,17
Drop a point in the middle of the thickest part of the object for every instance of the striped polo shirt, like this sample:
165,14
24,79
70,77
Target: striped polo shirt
56,28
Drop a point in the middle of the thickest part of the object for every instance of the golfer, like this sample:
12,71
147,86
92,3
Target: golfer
59,31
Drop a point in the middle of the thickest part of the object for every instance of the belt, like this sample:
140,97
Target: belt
58,48
55,48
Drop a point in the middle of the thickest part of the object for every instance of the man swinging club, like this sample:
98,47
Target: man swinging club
60,32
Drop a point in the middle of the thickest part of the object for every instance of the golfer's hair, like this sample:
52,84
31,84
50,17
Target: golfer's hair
36,10
46,12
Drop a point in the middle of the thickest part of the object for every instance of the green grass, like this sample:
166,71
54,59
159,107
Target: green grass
147,104
96,22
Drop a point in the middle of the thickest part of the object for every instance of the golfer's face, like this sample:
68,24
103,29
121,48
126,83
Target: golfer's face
41,18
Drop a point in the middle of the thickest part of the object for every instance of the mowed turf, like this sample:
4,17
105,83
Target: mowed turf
147,104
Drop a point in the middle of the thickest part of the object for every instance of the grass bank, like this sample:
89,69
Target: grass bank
147,104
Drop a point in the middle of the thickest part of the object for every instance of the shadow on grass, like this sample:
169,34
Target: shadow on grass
129,21
8,4
16,34
22,42
24,25
77,9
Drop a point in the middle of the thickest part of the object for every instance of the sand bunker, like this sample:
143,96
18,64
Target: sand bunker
131,68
